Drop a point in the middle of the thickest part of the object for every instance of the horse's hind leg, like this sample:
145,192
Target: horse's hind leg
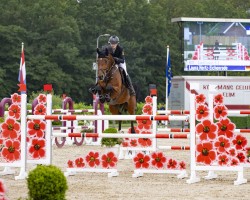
115,111
131,110
132,127
119,125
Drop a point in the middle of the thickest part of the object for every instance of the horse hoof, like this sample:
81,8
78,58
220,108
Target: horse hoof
102,99
92,90
107,97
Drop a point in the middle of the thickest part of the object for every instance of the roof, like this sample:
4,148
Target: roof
194,19
223,28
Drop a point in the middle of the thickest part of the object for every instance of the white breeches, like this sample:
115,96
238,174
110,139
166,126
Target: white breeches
123,65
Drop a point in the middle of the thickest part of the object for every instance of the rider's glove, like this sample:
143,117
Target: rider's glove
116,59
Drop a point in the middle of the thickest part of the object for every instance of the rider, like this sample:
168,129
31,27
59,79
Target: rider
118,54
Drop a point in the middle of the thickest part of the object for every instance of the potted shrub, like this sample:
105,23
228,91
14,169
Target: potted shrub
111,142
47,182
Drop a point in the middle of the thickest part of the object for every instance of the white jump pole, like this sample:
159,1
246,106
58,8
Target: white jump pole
23,170
109,117
49,131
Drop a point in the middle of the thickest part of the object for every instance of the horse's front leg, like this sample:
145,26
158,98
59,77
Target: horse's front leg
109,90
100,93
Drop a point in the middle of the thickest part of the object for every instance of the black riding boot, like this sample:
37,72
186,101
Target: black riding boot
130,86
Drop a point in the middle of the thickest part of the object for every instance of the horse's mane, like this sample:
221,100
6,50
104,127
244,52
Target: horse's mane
102,53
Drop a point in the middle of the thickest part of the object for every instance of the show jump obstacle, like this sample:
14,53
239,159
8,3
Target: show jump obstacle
214,146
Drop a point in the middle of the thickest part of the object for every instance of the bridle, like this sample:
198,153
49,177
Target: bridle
106,73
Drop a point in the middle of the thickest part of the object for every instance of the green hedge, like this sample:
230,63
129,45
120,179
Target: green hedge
241,122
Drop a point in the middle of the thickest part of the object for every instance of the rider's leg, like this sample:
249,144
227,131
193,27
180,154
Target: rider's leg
128,81
130,86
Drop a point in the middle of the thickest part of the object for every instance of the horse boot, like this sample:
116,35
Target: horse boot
102,98
130,86
107,97
109,89
93,90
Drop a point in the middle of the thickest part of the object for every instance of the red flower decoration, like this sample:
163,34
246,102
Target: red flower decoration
172,164
40,109
200,98
125,144
146,132
234,162
220,111
241,157
145,142
202,112
10,128
109,160
137,130
133,142
206,130
70,164
141,161
2,188
158,159
206,153
36,128
11,150
149,100
225,127
42,98
15,111
223,159
182,165
147,109
37,148
232,152
146,124
16,98
222,144
93,159
240,142
218,99
79,162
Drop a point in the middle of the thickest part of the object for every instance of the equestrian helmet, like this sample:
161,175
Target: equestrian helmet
113,40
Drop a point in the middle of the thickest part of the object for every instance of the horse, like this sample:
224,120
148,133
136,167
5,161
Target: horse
111,89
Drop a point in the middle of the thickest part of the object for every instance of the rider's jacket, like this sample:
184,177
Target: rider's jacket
118,54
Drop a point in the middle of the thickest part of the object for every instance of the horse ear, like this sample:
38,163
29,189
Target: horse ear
98,51
106,52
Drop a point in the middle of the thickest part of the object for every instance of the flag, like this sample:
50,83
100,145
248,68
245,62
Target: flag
168,73
22,70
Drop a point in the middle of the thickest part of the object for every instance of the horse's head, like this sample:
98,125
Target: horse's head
105,65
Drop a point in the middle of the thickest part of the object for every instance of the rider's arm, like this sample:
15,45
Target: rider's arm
120,56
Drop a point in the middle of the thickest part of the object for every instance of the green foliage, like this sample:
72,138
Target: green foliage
110,142
47,182
60,39
82,105
240,122
56,99
1,120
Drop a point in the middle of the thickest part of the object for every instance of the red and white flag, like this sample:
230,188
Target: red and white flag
22,70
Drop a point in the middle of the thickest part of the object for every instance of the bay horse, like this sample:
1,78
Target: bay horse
111,89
